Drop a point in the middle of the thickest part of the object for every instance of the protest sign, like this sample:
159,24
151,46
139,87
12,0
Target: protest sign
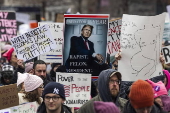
77,87
5,111
33,43
85,38
30,107
113,39
141,41
8,25
55,55
9,96
166,53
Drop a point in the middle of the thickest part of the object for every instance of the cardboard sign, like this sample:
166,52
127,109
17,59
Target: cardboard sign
33,43
166,53
77,88
113,39
8,25
80,51
30,107
141,41
9,96
55,55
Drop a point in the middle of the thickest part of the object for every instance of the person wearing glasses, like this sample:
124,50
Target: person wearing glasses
109,83
53,99
33,90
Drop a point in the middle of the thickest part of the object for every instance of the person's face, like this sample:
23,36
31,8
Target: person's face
114,85
115,65
7,80
144,110
40,70
53,102
86,32
14,59
40,90
159,101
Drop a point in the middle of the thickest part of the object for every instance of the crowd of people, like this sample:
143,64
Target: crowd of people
109,93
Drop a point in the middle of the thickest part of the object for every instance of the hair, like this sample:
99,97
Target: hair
91,27
32,96
20,90
38,62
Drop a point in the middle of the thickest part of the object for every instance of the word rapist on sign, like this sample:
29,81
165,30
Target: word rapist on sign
33,43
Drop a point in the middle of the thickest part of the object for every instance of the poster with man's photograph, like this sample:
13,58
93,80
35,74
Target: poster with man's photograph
85,39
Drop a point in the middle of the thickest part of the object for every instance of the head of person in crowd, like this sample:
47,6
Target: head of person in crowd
167,79
7,74
39,68
166,102
115,64
105,107
20,81
159,89
54,68
141,99
29,67
11,56
61,68
33,89
53,99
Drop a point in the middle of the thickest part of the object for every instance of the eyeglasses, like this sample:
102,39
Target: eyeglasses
114,81
48,98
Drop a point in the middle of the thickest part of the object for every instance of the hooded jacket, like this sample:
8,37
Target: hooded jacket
155,109
42,109
104,94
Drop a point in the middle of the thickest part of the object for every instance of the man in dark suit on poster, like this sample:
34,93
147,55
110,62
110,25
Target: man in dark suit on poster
82,54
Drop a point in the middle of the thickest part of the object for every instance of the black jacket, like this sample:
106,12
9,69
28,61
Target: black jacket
155,109
42,109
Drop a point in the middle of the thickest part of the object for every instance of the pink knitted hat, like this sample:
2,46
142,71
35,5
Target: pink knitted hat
28,66
32,82
105,107
158,88
21,78
168,79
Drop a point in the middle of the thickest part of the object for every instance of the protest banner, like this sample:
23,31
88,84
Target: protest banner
113,38
5,111
33,43
166,53
8,25
55,55
85,38
141,41
9,96
30,107
77,87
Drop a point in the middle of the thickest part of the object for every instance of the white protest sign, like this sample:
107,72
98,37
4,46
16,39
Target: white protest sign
113,39
33,43
166,53
77,87
55,55
141,41
30,107
5,111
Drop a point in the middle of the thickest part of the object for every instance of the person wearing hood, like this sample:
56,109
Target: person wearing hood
109,83
53,99
141,99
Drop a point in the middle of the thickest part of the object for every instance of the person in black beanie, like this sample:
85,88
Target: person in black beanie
53,99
